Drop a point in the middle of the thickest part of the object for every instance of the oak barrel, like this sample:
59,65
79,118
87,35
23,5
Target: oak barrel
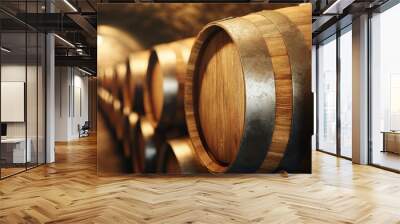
248,99
131,126
177,156
138,63
146,149
111,108
111,80
122,83
125,145
163,92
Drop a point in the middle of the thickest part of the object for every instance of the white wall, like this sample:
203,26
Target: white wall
71,94
12,73
61,103
80,102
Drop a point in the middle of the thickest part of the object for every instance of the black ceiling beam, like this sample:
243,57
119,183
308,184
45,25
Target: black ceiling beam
8,24
326,26
84,24
81,61
16,20
50,22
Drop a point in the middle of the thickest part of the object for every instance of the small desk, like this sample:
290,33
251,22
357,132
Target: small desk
391,141
13,150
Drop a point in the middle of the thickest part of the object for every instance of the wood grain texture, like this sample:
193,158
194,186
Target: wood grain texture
182,50
69,191
391,142
163,89
300,16
290,23
224,94
221,98
8,171
258,83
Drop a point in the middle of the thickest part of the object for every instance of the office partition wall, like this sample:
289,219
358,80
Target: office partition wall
15,152
22,88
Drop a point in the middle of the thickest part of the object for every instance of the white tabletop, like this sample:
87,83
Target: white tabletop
13,140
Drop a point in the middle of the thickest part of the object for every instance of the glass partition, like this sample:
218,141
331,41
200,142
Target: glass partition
346,92
22,77
14,153
327,95
32,97
41,110
385,89
334,94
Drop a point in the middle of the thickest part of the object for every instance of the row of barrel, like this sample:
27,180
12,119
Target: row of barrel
142,100
236,98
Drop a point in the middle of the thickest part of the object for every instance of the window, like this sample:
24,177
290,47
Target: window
327,95
385,89
346,92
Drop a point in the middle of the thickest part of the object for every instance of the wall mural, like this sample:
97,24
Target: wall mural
204,88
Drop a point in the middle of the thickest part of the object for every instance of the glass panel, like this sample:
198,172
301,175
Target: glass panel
13,86
31,98
385,89
23,90
346,93
32,88
327,96
41,98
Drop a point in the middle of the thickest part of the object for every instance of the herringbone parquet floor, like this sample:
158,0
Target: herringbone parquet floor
69,191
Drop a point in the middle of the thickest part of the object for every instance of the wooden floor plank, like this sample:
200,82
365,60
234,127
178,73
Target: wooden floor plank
69,191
